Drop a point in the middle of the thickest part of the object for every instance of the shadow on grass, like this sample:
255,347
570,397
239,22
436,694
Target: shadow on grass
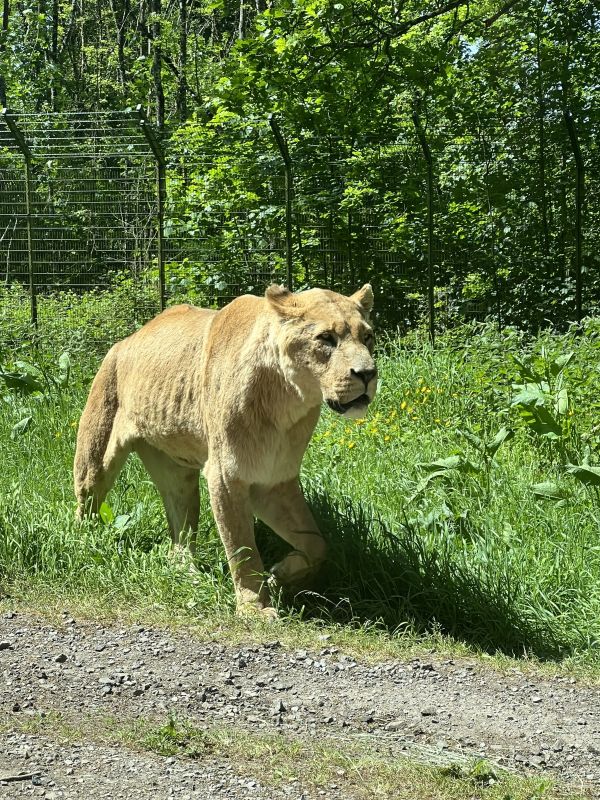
393,579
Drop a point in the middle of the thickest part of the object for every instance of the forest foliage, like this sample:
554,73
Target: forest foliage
504,94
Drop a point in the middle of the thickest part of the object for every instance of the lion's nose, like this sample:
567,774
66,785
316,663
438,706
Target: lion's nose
365,375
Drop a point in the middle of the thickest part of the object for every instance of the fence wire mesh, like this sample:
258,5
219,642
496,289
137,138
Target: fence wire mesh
101,224
89,183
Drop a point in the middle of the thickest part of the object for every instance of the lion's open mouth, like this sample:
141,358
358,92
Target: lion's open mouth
341,408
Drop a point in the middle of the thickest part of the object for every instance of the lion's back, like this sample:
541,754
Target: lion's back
171,330
182,362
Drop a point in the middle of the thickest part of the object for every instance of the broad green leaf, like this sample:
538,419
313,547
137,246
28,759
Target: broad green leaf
20,428
424,482
590,476
64,366
530,394
561,405
473,438
549,491
22,381
525,369
452,462
121,523
503,435
560,363
542,422
106,514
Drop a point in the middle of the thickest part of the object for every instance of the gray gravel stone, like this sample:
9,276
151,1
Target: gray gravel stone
137,672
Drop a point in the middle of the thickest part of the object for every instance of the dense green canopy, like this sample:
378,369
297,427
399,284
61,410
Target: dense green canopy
503,93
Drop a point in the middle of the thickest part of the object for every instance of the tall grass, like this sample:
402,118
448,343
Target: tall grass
474,552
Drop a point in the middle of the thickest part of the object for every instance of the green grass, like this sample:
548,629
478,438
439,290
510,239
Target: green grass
472,558
357,767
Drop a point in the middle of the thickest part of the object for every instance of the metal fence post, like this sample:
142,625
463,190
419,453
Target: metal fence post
579,199
492,225
430,269
289,192
351,251
161,192
11,123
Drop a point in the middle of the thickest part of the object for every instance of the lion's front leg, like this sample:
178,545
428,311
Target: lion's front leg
230,502
284,509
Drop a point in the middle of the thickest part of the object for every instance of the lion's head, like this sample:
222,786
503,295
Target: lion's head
325,344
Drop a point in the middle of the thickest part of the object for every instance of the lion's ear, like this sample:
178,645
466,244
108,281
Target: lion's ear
276,293
280,298
364,298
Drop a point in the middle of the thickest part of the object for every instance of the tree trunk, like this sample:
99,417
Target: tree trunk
157,65
120,23
542,145
566,228
182,83
5,19
54,53
241,21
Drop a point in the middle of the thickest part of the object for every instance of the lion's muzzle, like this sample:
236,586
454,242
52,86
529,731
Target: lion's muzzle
354,408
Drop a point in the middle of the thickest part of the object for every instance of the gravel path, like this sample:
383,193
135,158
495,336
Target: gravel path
442,709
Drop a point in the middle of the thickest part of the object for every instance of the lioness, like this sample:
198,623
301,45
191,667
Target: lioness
237,393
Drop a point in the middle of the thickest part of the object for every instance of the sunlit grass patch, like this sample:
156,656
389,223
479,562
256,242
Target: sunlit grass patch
447,510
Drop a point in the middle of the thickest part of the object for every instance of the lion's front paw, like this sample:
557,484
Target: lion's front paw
257,610
295,571
269,614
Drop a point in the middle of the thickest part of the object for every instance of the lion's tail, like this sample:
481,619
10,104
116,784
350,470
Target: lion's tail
95,428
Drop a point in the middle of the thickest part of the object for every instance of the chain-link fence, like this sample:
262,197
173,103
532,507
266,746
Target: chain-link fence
101,225
78,213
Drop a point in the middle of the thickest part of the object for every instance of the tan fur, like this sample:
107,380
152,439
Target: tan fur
235,393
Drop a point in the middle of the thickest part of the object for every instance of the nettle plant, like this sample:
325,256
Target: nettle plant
23,383
467,473
544,403
479,463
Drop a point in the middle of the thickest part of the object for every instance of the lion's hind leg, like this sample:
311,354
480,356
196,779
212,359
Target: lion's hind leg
180,492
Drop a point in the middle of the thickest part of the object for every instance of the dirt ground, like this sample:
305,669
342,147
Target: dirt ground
438,708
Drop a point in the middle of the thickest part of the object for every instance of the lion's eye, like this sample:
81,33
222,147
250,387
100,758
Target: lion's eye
328,339
369,340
